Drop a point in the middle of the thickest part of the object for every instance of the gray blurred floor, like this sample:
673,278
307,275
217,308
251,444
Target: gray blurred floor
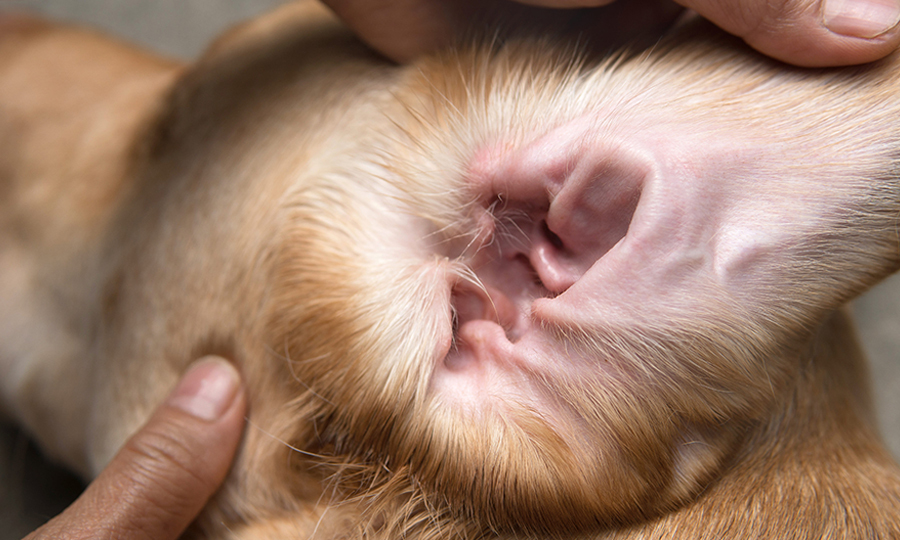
878,318
30,491
174,27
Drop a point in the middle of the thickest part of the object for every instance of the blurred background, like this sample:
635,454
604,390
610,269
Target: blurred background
33,490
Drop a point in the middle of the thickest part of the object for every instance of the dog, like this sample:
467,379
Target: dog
503,292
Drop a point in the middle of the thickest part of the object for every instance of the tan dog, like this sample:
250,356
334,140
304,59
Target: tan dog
443,283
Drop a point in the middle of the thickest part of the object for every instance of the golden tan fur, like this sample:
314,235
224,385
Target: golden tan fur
295,203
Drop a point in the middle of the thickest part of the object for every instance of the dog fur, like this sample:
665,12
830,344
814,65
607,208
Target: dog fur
297,204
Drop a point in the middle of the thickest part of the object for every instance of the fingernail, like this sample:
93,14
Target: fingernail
207,389
861,18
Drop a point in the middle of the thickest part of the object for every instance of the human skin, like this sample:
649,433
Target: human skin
801,32
164,475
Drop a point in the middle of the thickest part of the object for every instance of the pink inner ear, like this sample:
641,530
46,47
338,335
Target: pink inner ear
551,209
558,205
588,216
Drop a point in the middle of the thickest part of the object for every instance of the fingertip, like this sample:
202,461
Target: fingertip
862,30
810,33
864,19
166,472
823,47
209,388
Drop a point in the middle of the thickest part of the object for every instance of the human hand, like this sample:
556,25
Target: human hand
164,475
802,32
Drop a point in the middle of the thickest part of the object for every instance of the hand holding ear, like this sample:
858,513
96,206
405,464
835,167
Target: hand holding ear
164,475
802,32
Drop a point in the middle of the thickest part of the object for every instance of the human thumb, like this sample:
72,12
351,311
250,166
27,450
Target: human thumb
809,32
164,475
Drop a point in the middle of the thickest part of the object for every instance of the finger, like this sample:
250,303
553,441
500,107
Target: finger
566,4
164,475
404,29
809,32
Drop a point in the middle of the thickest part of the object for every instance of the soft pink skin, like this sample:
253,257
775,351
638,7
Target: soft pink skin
555,221
607,219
